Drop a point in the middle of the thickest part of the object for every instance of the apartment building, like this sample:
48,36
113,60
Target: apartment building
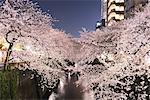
117,10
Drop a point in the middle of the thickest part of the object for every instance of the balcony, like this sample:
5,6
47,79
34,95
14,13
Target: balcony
115,8
115,16
116,2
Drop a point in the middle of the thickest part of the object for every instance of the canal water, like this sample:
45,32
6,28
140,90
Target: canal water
70,90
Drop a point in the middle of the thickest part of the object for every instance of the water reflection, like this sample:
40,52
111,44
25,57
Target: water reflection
71,91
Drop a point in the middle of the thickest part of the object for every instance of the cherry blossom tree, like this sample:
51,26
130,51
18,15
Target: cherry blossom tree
43,48
17,19
114,61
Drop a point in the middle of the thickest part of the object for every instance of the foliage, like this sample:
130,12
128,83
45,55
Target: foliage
8,84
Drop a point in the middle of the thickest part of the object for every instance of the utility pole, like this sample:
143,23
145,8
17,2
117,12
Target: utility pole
102,13
102,9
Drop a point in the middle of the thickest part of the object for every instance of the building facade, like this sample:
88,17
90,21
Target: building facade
117,10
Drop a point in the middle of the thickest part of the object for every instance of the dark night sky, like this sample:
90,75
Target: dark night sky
72,14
